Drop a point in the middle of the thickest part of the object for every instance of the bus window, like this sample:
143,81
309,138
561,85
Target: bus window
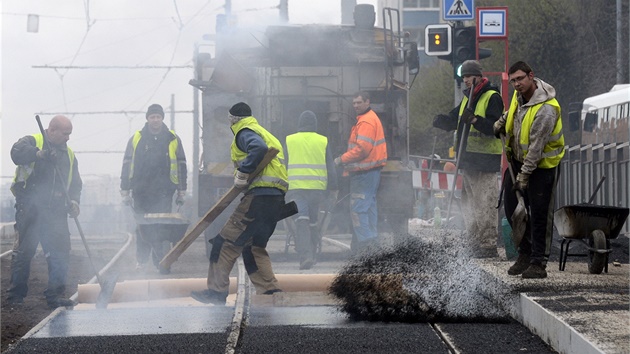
590,122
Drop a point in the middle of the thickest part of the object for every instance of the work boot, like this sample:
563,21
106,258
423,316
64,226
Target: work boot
209,297
15,300
307,263
522,263
535,271
58,302
272,291
164,270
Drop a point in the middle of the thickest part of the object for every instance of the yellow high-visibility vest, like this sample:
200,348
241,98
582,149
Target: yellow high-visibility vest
274,174
307,161
554,149
172,155
22,172
477,141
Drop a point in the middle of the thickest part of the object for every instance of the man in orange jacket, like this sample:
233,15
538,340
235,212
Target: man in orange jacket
363,161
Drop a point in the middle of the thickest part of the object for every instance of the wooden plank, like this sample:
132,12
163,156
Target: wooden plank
212,214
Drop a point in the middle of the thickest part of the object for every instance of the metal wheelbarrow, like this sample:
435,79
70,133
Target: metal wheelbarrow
593,225
157,228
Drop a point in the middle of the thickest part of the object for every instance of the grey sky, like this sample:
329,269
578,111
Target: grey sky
121,33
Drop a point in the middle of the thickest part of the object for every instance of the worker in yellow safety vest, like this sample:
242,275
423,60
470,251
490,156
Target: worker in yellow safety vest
154,169
312,174
45,166
534,147
254,220
481,157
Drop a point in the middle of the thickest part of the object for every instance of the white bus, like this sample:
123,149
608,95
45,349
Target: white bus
604,118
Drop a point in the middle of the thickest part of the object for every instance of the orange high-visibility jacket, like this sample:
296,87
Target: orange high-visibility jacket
366,146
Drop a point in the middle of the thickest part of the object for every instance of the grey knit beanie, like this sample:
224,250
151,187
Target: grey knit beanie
307,122
471,67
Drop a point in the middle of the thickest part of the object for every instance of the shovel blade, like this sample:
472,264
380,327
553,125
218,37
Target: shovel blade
519,222
107,289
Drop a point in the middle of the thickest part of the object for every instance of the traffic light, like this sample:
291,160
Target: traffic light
437,40
464,48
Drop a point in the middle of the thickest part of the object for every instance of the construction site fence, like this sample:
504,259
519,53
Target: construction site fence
583,167
581,170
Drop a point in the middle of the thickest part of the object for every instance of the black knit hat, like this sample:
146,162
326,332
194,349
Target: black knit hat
241,109
155,109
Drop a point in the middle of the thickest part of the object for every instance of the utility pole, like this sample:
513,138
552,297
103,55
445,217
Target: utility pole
284,11
195,157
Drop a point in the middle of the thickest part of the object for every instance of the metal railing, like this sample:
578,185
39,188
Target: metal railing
583,166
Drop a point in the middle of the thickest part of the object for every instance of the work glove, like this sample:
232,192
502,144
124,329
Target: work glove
468,116
498,129
46,154
74,209
240,179
337,161
522,181
126,198
181,196
437,120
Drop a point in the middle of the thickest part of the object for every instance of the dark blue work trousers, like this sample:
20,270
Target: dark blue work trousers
37,224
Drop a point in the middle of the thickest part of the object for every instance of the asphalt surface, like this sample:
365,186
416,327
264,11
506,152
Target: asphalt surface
323,327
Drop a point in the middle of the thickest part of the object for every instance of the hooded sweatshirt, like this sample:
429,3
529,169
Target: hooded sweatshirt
542,126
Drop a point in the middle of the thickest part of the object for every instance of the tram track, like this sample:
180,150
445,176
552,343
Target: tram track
250,323
445,338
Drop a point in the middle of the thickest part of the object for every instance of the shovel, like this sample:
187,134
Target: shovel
463,141
107,287
520,215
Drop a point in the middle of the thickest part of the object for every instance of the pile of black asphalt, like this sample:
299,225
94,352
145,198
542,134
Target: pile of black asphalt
419,279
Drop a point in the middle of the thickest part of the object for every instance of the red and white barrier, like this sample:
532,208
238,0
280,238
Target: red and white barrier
439,180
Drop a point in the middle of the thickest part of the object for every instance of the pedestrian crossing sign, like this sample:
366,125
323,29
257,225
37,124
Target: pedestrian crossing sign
458,10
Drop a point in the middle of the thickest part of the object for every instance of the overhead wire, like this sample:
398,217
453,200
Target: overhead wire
193,21
86,4
177,40
181,28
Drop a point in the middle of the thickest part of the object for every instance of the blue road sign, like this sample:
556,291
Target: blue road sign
458,10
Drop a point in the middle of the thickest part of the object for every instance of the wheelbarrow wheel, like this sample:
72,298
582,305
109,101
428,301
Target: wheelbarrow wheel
596,260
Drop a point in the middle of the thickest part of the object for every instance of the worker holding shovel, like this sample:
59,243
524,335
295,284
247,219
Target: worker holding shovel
45,166
534,148
480,158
